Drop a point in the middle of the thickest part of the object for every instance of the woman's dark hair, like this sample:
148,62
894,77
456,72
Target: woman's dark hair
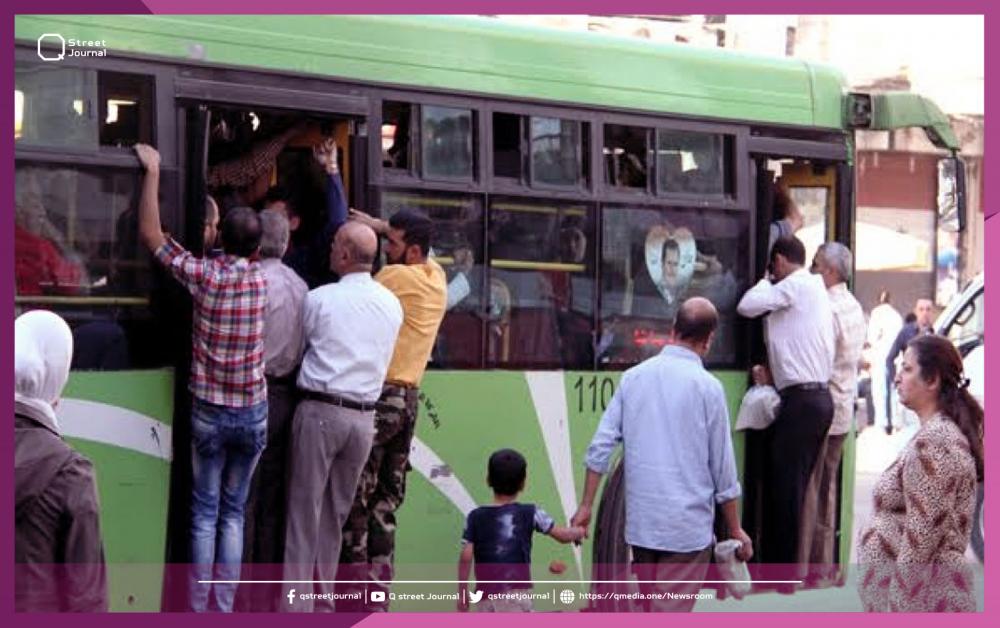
937,357
782,200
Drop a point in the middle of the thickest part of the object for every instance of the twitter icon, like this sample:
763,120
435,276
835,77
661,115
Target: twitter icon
474,597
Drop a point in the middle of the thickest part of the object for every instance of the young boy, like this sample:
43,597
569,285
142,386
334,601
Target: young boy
498,536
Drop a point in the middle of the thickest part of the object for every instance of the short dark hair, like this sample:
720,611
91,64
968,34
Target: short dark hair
669,244
791,248
506,472
241,232
281,194
417,229
910,318
695,324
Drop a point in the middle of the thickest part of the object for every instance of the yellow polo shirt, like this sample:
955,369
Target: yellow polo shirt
422,291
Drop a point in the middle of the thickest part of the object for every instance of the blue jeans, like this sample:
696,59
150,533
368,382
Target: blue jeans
225,446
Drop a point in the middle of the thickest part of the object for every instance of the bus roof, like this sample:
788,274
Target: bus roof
485,56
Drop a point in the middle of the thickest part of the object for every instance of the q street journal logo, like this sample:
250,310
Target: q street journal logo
55,47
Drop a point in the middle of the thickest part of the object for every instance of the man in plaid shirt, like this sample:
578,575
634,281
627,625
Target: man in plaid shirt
833,263
229,406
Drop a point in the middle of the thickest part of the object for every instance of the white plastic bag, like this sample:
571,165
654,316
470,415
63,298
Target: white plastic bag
758,409
733,570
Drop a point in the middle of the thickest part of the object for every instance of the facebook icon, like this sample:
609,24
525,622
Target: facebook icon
291,595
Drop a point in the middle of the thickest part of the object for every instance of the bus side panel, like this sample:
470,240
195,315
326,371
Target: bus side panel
550,417
133,475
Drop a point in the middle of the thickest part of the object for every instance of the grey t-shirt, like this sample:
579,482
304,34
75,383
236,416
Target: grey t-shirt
777,229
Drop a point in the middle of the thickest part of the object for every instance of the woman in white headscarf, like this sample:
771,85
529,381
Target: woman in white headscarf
58,552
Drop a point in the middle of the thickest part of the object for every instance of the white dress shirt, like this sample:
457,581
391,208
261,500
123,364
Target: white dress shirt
350,331
800,341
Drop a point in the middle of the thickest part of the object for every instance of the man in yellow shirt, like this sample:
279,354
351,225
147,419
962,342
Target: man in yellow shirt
421,287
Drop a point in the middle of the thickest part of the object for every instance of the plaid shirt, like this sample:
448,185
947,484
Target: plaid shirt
230,301
849,337
252,165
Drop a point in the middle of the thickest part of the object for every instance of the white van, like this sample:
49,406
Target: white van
963,322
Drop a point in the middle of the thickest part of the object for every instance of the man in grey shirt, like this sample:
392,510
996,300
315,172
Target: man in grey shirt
670,415
264,522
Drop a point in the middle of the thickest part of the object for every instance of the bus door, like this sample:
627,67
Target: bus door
250,144
814,193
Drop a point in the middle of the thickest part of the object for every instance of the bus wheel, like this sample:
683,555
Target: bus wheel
612,557
978,532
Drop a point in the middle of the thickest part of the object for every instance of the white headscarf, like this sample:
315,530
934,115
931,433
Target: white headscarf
43,349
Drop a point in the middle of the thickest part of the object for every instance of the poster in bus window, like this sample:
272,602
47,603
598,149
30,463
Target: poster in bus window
670,260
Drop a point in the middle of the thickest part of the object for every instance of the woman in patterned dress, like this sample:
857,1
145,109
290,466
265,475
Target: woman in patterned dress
913,552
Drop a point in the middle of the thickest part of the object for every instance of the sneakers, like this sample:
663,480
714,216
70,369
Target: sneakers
326,155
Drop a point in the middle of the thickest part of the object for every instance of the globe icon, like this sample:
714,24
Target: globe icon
567,596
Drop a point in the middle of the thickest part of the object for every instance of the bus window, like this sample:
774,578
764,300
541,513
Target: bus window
541,286
654,259
626,151
507,158
54,106
446,142
396,135
458,247
127,113
694,163
81,108
557,155
76,252
556,150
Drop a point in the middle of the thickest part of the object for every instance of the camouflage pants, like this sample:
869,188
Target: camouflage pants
369,536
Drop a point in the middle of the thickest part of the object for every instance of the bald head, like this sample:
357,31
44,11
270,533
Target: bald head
696,320
353,248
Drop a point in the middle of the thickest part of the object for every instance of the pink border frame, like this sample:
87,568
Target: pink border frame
768,620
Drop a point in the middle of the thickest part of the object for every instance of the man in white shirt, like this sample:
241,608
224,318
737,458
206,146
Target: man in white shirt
883,327
350,332
800,347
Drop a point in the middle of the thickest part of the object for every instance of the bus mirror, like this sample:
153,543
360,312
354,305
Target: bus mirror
951,194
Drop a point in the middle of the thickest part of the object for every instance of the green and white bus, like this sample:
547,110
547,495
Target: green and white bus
558,167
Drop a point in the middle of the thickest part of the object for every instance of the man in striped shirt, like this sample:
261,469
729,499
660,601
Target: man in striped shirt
833,263
229,406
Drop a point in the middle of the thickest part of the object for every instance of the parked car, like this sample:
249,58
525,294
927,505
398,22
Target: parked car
964,321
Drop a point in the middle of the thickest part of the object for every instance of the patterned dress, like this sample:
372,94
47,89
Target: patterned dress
912,553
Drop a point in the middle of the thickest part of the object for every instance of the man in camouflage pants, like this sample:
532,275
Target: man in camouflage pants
369,535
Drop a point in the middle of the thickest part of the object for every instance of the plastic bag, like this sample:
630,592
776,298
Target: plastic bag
758,409
733,570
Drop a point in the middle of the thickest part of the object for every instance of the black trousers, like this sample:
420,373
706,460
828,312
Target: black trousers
793,444
264,513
